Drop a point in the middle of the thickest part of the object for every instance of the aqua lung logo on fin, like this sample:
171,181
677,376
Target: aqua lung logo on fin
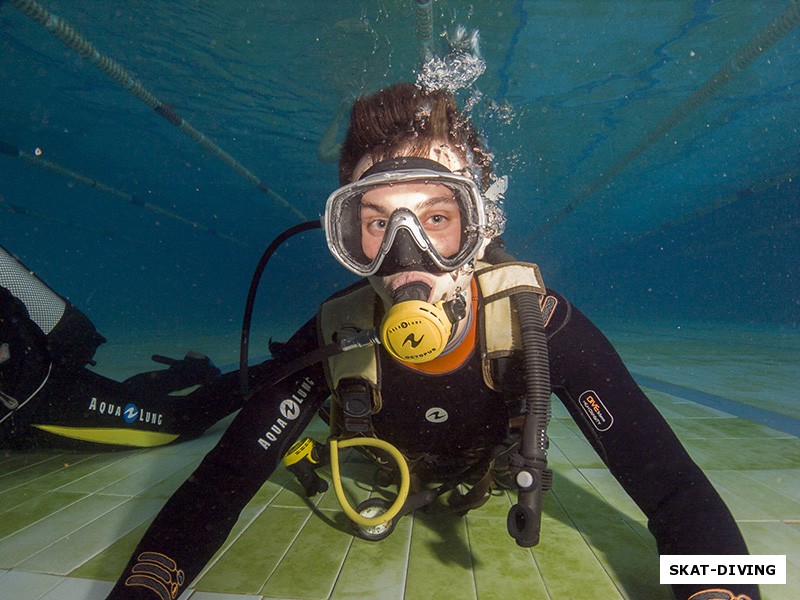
130,413
596,411
412,340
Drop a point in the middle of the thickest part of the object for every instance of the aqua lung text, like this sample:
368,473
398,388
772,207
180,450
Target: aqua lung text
290,410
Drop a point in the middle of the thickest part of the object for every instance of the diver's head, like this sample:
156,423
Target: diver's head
388,132
411,215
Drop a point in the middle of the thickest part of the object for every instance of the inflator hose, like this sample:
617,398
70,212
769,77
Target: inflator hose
524,519
244,383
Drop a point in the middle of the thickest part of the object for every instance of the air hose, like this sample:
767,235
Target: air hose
530,463
402,492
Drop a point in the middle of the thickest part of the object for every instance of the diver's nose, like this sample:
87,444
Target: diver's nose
408,253
404,255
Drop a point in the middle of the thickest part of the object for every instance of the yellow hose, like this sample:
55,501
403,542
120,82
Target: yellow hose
402,492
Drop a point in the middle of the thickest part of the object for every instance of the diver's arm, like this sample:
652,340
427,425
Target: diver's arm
199,516
685,513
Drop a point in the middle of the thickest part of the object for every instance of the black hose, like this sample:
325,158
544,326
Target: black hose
524,519
251,297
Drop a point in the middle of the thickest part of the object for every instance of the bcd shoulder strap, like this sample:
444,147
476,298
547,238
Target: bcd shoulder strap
499,332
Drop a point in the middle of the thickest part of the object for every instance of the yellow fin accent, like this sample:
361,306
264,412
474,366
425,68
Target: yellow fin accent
114,436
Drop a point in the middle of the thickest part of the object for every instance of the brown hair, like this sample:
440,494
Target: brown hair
403,120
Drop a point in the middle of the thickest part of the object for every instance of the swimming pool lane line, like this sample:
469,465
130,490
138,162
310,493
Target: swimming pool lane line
778,28
768,418
423,28
14,152
83,47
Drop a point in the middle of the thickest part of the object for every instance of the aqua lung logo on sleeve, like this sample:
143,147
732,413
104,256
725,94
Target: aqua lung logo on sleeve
596,411
290,410
130,413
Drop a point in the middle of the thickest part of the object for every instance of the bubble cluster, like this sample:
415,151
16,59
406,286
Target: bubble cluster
458,69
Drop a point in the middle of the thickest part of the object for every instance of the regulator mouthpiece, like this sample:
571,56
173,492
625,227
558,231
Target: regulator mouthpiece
414,330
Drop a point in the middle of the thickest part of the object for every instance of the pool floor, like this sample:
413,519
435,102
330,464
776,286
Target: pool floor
69,521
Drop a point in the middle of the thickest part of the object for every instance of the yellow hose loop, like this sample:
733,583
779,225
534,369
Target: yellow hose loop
402,492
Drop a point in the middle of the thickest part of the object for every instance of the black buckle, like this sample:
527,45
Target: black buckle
355,397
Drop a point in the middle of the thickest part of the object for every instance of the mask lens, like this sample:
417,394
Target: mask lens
442,213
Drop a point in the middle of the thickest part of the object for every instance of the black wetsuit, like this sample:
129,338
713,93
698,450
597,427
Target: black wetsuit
685,513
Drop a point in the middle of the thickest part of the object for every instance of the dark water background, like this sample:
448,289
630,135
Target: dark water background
643,197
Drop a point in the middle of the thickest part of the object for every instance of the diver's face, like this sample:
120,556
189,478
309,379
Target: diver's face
433,204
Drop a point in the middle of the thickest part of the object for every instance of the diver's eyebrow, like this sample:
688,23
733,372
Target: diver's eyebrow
437,200
373,206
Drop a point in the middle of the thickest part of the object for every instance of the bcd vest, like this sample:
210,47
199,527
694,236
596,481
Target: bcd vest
359,309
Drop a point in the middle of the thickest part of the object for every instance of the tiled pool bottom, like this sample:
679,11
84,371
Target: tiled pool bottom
68,522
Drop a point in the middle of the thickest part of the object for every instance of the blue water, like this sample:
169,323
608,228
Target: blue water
701,224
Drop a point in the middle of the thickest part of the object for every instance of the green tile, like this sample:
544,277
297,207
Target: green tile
312,563
136,481
498,505
16,460
581,501
376,570
72,472
440,562
40,472
557,409
501,568
23,544
619,542
100,475
108,564
750,500
11,499
723,428
66,554
167,486
612,493
783,481
279,480
562,428
36,507
690,410
578,452
28,586
776,538
629,557
569,567
247,563
746,454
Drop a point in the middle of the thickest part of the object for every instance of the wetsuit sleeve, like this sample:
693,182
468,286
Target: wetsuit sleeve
199,516
685,513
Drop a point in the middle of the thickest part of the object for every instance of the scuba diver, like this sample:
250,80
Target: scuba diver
49,398
445,400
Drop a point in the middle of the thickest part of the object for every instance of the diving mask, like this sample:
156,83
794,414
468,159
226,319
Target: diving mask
444,224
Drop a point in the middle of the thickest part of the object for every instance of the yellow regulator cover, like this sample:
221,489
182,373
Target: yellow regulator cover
415,331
